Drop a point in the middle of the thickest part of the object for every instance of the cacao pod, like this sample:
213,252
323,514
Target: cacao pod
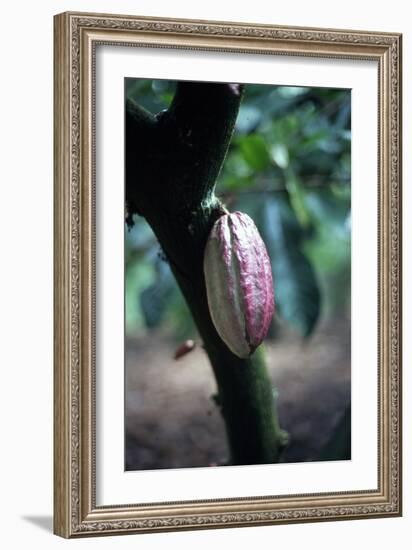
239,284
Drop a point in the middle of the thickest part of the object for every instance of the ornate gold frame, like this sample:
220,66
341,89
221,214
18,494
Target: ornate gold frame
75,38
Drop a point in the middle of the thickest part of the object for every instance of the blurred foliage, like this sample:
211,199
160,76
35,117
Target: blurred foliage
297,292
289,168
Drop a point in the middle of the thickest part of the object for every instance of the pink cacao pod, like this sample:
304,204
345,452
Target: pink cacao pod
239,284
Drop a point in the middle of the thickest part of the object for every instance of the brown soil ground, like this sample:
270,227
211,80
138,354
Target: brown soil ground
172,421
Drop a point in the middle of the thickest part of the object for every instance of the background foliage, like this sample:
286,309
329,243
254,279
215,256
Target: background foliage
288,167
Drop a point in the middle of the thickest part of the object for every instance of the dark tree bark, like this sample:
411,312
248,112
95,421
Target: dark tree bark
172,162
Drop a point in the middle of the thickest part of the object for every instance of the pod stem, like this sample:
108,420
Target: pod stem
172,163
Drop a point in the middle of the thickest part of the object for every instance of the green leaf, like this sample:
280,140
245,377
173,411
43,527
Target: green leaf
327,209
297,295
292,91
254,151
237,166
297,198
280,155
160,86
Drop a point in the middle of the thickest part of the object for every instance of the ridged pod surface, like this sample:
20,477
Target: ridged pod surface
239,284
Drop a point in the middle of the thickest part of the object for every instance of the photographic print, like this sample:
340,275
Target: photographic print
227,229
237,274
